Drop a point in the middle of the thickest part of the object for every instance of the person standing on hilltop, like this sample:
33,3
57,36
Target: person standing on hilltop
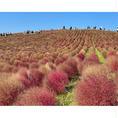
101,28
117,29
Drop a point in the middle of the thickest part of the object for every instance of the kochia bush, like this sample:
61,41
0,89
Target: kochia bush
9,89
95,88
112,63
36,96
95,92
30,78
57,80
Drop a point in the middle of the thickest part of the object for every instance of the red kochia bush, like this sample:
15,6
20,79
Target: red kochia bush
73,62
44,61
116,83
80,56
9,89
36,96
22,76
112,63
66,69
93,57
35,76
95,92
57,80
111,54
30,77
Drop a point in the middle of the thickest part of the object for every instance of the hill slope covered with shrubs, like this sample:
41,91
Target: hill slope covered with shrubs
59,67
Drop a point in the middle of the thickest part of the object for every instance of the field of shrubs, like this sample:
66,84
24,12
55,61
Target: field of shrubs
59,68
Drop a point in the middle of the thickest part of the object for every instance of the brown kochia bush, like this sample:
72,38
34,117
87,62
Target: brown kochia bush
112,63
73,63
48,67
98,70
111,54
90,60
95,91
30,78
9,89
35,96
116,83
66,69
71,67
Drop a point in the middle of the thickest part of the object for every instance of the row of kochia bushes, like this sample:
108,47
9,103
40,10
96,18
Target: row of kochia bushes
70,43
16,47
25,59
96,85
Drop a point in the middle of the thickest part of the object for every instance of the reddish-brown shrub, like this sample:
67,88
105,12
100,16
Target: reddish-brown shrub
90,60
73,62
44,61
57,80
111,54
95,92
48,67
112,63
95,71
66,69
36,96
35,77
80,56
22,76
9,89
116,83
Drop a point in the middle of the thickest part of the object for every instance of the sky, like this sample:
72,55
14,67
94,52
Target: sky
22,21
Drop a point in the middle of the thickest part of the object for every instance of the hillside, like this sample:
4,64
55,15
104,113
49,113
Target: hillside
59,42
68,51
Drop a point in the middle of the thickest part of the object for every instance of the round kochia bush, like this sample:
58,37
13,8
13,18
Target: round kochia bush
96,71
111,54
80,56
112,63
9,89
67,69
57,80
116,83
35,76
90,60
36,96
95,91
73,62
30,77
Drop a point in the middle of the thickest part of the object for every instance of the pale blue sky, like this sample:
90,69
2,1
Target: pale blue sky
21,21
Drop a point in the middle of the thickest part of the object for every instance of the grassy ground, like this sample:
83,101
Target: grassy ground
66,99
101,58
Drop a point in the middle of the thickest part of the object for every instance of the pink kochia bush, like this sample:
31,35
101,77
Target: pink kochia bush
96,71
9,89
95,91
29,78
22,76
60,60
36,96
92,59
56,81
36,76
44,61
66,69
73,62
80,56
111,54
112,63
116,83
